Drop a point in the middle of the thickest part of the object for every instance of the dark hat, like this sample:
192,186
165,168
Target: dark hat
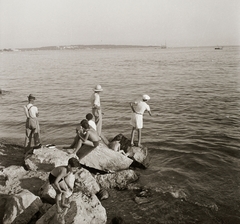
31,97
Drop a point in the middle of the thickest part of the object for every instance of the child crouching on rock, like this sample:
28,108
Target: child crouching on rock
116,146
57,180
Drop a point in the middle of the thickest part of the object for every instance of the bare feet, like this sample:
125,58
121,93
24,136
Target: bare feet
71,151
66,147
139,145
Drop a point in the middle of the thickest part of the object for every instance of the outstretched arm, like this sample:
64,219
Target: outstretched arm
150,113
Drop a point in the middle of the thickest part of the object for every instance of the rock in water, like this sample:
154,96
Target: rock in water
102,194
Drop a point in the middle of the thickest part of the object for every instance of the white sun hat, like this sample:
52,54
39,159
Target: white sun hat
98,88
145,97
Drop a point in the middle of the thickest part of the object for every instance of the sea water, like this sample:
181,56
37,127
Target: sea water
193,136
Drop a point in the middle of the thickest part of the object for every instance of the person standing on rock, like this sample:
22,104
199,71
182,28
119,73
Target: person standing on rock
32,124
137,117
96,108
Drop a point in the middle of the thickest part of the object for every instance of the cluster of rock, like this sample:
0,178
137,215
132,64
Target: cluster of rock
29,198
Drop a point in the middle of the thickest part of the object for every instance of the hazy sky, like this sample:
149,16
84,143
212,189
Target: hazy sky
37,23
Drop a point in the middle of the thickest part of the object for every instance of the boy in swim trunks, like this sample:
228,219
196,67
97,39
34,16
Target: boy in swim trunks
57,180
87,136
137,117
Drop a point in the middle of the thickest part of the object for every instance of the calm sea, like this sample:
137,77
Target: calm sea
193,136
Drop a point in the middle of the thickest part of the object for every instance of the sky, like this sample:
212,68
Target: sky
178,23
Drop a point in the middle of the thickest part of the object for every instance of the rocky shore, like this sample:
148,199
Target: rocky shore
27,197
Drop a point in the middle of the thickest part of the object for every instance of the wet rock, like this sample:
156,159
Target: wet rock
141,200
119,180
138,154
83,209
144,193
21,207
102,194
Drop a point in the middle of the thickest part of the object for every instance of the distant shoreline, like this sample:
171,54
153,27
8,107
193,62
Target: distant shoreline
107,46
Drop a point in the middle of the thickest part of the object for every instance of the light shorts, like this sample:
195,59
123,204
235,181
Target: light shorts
137,120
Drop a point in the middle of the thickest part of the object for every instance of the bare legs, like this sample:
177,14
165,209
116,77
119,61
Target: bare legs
60,198
139,136
98,120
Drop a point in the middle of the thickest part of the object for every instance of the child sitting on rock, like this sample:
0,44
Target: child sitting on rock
87,136
57,180
116,146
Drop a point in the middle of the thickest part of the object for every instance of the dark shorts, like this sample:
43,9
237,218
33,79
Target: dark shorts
52,179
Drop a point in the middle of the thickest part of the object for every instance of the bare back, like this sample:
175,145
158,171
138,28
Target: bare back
115,145
93,136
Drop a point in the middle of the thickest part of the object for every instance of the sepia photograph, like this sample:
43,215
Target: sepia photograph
120,112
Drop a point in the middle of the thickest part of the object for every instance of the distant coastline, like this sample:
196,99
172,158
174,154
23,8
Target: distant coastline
107,46
76,47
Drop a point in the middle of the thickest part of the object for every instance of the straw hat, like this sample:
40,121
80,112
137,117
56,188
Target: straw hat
98,88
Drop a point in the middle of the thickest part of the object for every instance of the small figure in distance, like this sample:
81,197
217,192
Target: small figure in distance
116,146
57,180
89,117
137,117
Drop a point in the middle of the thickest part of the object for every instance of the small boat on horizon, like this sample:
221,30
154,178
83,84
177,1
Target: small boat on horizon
218,48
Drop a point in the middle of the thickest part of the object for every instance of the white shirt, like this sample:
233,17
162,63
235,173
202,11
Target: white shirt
30,110
141,106
92,124
95,99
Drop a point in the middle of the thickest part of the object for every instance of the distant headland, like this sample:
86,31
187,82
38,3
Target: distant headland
76,47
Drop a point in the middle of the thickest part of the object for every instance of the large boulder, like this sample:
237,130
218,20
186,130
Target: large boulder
140,155
21,207
11,174
83,209
85,182
119,180
103,158
46,159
